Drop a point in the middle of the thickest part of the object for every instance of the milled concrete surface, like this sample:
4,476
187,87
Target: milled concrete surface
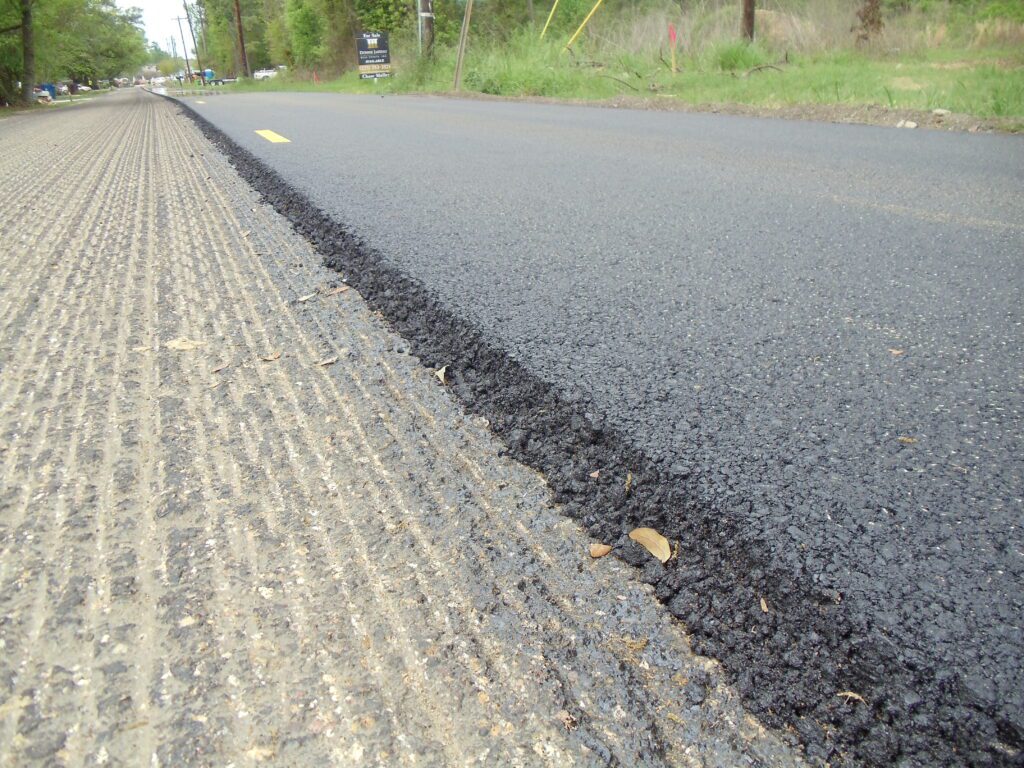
240,524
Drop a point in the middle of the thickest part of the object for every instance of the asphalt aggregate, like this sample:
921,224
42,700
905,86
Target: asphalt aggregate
794,348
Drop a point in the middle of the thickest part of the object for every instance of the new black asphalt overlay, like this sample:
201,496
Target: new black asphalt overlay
848,515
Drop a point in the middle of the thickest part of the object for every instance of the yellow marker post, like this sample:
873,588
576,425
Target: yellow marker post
273,138
580,30
548,22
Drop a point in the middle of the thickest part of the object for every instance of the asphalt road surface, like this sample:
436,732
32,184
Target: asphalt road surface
241,525
810,334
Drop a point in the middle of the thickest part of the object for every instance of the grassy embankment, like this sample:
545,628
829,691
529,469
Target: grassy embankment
965,60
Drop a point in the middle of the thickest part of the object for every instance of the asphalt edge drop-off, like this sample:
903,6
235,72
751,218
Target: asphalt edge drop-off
802,660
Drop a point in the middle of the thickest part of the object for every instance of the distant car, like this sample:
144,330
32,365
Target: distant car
84,88
264,74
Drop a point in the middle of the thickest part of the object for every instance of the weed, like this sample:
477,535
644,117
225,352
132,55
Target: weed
730,57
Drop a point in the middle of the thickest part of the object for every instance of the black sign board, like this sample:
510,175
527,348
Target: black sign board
374,56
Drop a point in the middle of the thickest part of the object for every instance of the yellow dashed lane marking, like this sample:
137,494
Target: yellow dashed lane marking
272,137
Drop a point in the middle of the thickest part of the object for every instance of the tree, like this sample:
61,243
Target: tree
748,20
307,33
80,39
17,54
168,67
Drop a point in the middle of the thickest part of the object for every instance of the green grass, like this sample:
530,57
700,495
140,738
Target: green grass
982,82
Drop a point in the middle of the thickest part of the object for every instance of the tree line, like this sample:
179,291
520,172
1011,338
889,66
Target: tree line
80,40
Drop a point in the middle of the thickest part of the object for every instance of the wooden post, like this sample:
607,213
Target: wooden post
748,20
463,36
241,39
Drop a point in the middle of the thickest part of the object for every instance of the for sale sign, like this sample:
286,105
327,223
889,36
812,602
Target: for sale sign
374,56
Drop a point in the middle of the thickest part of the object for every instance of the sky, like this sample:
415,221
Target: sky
158,16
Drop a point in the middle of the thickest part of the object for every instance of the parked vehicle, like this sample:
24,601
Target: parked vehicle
264,74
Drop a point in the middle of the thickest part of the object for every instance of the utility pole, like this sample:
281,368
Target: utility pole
426,25
191,31
184,48
748,20
241,38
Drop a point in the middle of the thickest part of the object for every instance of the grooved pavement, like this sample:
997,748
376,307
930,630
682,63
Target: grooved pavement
239,524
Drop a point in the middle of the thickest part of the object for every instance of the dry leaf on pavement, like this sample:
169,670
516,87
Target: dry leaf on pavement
653,542
271,357
183,344
764,605
220,367
896,352
328,360
440,374
599,550
567,719
307,297
908,440
336,291
851,696
595,474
